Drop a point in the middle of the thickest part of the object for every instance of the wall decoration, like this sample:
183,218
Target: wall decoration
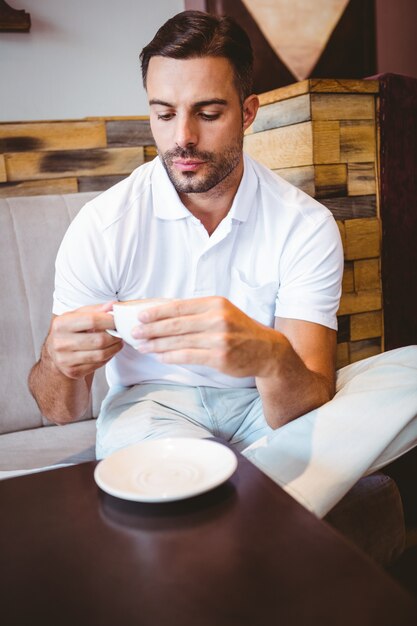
13,20
298,39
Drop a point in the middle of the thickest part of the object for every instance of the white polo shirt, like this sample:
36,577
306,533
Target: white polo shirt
277,253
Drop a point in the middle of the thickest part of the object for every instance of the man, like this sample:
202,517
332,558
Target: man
252,265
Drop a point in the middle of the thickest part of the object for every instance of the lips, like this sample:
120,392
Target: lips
187,165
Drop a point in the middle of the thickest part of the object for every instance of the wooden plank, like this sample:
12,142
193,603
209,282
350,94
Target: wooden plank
359,350
343,328
357,141
39,187
342,107
330,180
289,146
283,93
362,239
109,118
365,325
150,153
128,133
98,183
361,179
342,355
326,142
345,85
351,207
284,113
3,175
38,136
58,164
320,85
367,274
342,231
301,177
360,302
348,281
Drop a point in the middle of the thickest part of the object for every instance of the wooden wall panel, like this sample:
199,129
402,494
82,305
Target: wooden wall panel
342,174
288,146
29,136
302,177
361,179
367,274
351,207
326,142
342,107
366,325
58,164
360,301
362,238
39,187
348,283
3,175
357,141
69,156
331,180
122,133
322,86
283,113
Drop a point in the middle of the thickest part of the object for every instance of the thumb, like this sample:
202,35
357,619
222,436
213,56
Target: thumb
107,306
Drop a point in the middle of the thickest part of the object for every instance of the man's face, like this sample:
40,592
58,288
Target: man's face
196,119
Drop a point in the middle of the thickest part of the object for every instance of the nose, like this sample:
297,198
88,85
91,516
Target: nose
186,134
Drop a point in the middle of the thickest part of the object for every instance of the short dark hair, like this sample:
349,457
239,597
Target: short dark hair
192,34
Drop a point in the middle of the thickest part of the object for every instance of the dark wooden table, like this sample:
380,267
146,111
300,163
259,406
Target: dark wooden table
243,554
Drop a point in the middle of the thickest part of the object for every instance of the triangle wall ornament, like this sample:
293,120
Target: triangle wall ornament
298,30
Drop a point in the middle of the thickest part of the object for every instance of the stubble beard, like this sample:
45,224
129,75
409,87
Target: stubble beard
219,166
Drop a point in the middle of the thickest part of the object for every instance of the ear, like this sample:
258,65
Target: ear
250,109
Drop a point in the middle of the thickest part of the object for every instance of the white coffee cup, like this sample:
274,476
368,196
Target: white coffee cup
126,317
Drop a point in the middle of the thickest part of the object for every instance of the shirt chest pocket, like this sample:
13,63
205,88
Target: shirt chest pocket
257,301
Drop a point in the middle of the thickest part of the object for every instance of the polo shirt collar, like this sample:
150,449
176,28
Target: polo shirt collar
166,202
246,193
168,206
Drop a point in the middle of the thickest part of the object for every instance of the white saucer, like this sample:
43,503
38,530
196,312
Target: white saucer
162,470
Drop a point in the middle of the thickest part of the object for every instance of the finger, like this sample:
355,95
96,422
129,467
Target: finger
180,342
107,306
73,362
179,308
83,320
84,341
173,326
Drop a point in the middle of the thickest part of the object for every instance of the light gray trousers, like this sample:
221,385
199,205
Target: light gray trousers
316,458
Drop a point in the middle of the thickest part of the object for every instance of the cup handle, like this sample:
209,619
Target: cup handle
112,332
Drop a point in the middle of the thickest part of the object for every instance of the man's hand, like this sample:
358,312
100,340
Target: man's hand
209,331
293,363
78,344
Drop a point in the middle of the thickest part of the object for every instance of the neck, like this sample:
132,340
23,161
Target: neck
212,206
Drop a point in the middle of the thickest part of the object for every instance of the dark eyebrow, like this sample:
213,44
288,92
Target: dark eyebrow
205,103
161,102
196,105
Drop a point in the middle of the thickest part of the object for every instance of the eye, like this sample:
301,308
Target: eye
165,117
209,117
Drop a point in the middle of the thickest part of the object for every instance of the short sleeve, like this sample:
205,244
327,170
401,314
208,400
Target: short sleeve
83,268
311,274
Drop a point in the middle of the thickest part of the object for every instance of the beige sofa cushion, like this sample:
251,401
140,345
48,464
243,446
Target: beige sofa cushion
51,445
31,229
